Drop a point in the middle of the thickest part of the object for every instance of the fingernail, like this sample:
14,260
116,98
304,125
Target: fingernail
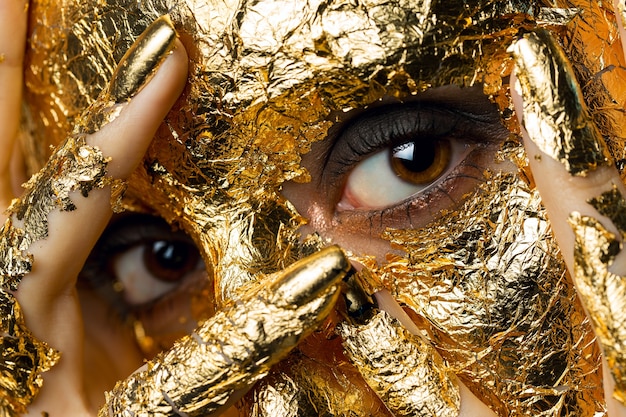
231,351
309,277
142,59
406,372
603,293
554,112
360,303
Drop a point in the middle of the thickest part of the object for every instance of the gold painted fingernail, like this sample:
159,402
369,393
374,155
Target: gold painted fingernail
554,112
603,293
142,59
307,278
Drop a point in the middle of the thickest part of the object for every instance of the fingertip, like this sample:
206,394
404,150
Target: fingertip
163,90
126,139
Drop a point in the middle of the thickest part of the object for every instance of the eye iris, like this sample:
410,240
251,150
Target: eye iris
421,163
170,260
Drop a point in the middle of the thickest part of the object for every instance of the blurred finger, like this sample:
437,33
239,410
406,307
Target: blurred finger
13,15
620,14
581,190
53,227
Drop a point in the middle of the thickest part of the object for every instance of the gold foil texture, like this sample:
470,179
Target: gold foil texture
138,64
603,292
555,115
22,359
237,346
488,285
75,167
612,205
266,81
403,369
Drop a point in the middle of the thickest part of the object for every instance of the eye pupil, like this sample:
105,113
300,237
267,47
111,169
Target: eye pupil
170,260
421,163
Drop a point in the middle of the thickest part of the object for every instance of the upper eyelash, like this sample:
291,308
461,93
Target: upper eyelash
375,140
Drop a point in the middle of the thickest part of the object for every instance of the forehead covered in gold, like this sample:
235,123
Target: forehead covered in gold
267,80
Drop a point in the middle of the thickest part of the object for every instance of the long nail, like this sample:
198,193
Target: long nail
236,347
555,115
307,278
142,59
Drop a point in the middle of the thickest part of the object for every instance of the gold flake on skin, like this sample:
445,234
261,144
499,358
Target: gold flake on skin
23,359
405,371
265,81
488,286
612,205
75,168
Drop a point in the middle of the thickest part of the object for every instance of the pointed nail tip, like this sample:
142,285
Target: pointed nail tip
311,277
142,59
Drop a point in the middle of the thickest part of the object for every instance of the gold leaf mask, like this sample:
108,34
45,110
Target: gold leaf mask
269,80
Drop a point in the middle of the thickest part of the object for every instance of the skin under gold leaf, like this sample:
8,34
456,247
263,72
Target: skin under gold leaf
263,92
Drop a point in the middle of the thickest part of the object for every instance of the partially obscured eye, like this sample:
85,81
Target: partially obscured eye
152,268
139,259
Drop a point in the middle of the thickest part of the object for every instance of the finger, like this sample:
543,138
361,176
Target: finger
78,210
400,364
12,44
206,371
582,192
67,205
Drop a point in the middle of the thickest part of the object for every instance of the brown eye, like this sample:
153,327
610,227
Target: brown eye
151,269
170,261
423,162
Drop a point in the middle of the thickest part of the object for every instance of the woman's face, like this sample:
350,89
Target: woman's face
384,127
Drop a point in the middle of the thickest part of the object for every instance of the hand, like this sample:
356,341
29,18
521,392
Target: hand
48,296
58,220
582,192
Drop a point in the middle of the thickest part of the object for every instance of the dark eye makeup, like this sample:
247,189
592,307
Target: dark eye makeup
398,164
392,165
138,260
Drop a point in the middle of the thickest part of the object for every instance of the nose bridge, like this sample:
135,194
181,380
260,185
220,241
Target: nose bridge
244,231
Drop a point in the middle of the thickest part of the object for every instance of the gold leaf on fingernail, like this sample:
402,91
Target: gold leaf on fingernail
554,112
142,59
